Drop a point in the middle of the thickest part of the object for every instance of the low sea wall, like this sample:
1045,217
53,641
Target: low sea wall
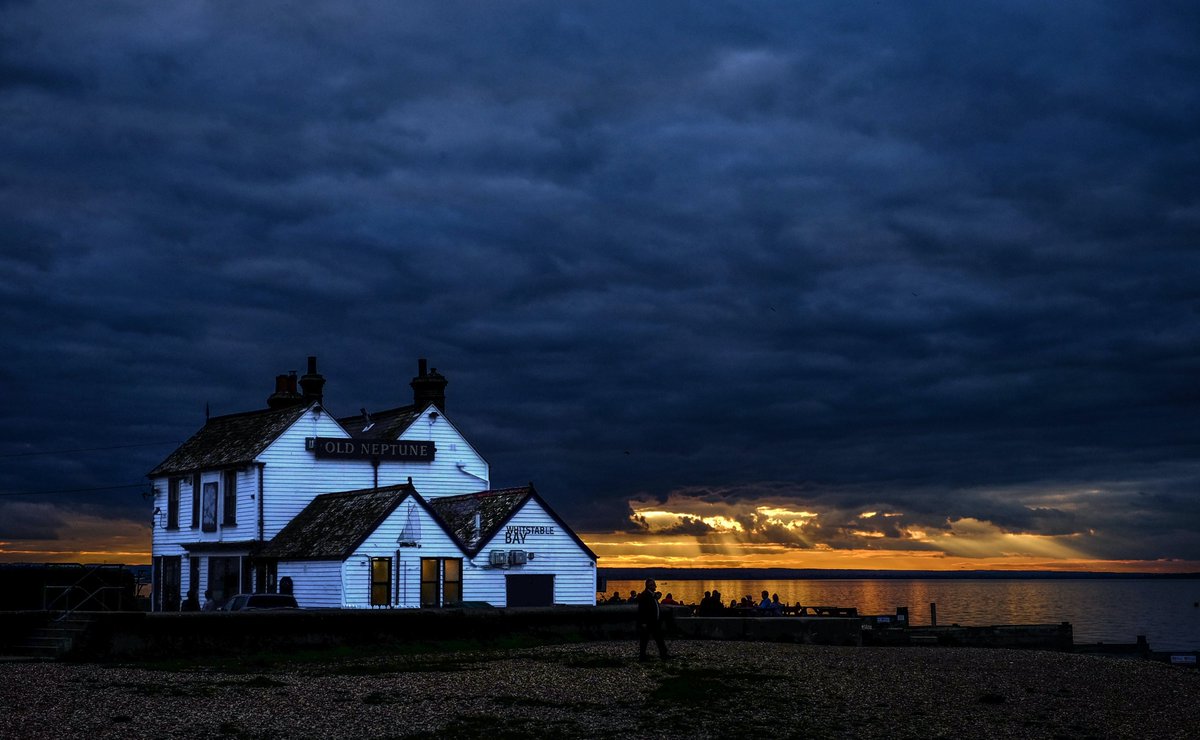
140,636
136,636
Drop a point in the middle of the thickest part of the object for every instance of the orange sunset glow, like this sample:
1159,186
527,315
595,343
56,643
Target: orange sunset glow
757,535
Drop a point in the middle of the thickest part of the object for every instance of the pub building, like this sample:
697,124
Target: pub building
385,509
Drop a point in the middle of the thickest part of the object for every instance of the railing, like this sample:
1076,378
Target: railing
63,599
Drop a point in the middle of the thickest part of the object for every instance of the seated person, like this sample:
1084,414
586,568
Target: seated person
765,605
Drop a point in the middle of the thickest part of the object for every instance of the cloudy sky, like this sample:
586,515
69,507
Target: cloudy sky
807,284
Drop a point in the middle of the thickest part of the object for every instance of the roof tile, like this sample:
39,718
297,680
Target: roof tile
333,525
494,508
226,441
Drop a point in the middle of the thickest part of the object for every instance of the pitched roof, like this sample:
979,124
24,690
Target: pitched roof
387,424
333,525
234,439
495,507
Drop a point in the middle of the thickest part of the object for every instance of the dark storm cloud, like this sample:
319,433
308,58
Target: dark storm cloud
29,521
936,259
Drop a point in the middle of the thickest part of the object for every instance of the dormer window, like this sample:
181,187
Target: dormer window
367,428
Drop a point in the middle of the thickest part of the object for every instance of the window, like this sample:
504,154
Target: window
195,500
451,581
381,581
229,505
429,582
173,503
441,581
210,507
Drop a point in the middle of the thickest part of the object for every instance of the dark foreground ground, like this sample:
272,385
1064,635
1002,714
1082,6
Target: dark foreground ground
712,689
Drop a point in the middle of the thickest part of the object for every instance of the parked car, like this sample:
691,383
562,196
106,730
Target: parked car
252,602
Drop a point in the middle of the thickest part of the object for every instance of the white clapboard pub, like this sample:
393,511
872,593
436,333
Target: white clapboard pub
390,509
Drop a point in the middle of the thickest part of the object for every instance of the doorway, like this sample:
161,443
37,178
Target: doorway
167,575
529,590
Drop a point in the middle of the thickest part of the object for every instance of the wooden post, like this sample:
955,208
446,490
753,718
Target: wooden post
933,613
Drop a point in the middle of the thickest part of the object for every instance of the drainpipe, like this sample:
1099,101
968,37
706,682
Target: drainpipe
262,469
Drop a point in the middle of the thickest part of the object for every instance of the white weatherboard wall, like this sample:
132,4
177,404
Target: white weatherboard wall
442,476
167,541
558,554
316,583
382,543
293,476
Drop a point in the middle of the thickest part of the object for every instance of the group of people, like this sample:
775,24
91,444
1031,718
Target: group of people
712,604
192,604
649,612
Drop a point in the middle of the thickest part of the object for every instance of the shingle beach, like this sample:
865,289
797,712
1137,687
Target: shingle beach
710,689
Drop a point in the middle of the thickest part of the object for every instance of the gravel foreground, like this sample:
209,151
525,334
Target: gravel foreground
710,689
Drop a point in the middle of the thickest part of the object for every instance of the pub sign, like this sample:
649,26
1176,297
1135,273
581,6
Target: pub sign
371,449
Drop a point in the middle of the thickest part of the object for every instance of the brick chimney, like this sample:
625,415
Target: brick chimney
285,392
312,383
429,387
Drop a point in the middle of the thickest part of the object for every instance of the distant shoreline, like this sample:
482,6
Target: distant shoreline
815,574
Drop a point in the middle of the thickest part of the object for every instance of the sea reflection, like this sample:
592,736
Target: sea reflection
1116,610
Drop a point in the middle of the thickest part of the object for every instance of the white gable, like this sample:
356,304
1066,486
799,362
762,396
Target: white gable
395,538
551,550
294,476
456,467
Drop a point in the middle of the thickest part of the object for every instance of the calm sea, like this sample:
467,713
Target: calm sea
1115,610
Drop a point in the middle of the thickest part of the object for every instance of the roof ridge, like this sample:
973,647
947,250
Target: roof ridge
483,493
411,407
394,488
239,414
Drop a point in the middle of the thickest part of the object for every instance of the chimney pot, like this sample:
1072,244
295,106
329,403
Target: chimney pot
421,365
285,392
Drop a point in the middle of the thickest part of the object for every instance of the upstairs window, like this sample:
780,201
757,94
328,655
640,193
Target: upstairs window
229,504
195,500
209,507
173,503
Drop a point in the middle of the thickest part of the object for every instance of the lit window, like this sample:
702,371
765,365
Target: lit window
429,582
451,581
381,581
441,581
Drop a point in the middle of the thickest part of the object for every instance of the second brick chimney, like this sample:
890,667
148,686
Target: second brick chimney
429,387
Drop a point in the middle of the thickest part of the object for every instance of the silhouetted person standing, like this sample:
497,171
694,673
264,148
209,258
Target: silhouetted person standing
649,621
191,603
